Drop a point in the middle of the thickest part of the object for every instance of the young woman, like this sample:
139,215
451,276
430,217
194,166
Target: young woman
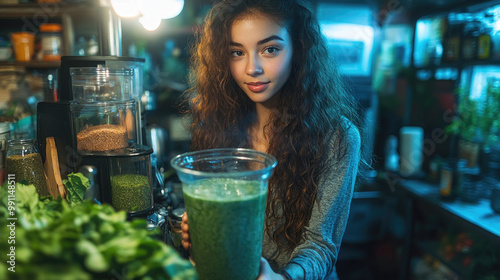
262,79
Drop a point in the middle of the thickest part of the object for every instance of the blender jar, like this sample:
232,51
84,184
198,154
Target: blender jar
102,84
131,181
104,126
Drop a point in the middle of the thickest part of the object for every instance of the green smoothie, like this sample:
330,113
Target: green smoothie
226,224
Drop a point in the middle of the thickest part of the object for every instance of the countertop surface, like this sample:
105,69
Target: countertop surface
480,214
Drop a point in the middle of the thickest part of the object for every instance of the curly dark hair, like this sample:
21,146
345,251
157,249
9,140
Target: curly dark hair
305,125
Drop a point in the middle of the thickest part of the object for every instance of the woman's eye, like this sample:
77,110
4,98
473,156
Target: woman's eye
271,50
236,53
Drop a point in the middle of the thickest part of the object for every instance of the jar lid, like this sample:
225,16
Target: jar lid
177,214
50,27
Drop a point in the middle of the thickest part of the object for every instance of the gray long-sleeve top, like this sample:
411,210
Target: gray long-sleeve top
316,257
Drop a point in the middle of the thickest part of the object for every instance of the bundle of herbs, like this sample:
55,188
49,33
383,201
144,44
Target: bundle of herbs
54,239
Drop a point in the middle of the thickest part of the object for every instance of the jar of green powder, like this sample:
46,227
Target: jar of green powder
24,161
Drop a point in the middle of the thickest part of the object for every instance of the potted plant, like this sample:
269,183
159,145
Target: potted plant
477,122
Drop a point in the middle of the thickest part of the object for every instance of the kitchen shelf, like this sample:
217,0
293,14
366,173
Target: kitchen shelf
45,9
459,65
421,200
32,64
430,247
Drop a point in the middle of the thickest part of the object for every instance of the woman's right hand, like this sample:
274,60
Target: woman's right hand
186,241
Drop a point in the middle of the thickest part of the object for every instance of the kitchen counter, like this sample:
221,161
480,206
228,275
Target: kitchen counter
480,216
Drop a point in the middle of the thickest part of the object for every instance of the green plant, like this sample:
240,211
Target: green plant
478,119
49,239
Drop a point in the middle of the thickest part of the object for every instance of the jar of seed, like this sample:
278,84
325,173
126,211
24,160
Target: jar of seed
24,161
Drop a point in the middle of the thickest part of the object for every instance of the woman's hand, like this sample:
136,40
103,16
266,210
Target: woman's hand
267,273
186,241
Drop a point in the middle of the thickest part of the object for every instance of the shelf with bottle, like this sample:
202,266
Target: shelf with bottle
458,39
32,64
47,9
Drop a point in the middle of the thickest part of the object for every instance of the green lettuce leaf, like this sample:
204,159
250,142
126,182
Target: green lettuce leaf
76,185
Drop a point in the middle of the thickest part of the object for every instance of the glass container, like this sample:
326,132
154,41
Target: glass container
51,41
4,137
104,126
471,187
24,161
225,194
174,227
131,181
102,84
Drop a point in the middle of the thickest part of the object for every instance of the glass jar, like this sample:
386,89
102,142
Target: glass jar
131,181
4,137
102,84
174,227
51,41
24,161
104,126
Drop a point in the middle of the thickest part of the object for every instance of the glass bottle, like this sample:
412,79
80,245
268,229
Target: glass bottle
451,178
451,45
471,33
484,38
24,161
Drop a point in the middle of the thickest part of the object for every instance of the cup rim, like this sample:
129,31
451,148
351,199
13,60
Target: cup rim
174,162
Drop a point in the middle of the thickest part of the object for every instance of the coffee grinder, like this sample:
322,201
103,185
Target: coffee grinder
101,127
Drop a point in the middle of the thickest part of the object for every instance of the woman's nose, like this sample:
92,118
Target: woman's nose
254,67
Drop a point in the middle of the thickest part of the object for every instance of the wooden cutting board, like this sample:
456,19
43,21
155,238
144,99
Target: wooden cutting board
51,166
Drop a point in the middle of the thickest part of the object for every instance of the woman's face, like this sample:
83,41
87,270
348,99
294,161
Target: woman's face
260,56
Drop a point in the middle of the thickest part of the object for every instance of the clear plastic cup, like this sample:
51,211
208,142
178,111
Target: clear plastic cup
225,192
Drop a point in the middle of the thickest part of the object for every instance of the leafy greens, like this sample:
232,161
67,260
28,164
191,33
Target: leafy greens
87,241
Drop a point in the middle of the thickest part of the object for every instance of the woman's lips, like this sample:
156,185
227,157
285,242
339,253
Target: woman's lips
257,87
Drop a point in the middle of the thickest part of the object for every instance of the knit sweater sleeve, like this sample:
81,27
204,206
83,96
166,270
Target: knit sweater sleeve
316,257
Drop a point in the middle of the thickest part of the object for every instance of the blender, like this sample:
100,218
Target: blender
106,127
101,127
